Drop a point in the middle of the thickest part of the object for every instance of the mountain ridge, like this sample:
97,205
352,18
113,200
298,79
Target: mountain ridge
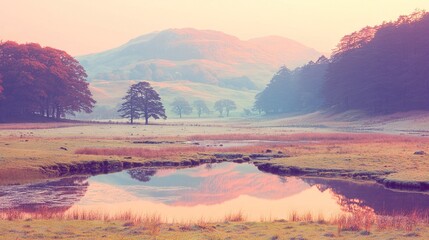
179,45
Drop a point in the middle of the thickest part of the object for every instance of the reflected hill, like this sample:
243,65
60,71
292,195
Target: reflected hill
352,195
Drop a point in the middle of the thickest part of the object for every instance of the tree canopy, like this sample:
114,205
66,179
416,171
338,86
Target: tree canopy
378,70
201,107
294,91
142,101
225,105
181,106
44,82
382,69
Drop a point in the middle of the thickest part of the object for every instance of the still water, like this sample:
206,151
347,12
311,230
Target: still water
208,191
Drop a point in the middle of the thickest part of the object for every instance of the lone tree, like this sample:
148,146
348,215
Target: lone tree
181,106
142,101
201,107
225,104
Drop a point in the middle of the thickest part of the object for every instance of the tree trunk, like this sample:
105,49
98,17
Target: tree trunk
58,113
132,119
146,121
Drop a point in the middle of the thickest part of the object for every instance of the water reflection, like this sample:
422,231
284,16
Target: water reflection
375,196
57,196
210,191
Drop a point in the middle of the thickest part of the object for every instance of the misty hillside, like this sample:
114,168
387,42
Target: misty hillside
199,56
379,70
201,60
294,91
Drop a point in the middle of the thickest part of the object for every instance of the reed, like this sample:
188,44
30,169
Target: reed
235,217
358,221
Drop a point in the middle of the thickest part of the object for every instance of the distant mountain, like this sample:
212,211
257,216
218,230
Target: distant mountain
185,56
199,56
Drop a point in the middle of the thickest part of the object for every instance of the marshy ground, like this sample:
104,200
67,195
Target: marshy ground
364,151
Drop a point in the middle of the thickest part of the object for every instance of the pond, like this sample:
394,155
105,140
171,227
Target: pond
209,191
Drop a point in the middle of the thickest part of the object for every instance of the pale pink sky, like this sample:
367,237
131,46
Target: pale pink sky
88,26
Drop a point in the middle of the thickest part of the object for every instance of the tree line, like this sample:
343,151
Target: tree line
299,90
40,83
181,106
379,70
142,101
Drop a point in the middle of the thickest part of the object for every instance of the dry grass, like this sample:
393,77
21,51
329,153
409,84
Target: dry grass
400,221
47,125
235,217
167,151
323,137
365,220
140,152
355,222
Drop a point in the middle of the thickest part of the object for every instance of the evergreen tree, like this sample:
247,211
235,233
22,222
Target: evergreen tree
129,108
142,101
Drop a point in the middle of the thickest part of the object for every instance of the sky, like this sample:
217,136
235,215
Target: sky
89,26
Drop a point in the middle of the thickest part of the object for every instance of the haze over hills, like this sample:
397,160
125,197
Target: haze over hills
196,55
200,59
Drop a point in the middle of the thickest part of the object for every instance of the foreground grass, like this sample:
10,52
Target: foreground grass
362,224
81,229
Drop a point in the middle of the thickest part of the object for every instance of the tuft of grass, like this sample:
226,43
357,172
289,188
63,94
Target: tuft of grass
235,217
294,217
360,220
153,224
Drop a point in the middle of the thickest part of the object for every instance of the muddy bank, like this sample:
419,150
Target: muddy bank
109,166
261,161
376,176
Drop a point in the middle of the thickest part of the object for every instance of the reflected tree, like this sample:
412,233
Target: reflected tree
142,174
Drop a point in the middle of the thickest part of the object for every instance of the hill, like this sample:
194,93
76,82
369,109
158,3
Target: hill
196,55
201,59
